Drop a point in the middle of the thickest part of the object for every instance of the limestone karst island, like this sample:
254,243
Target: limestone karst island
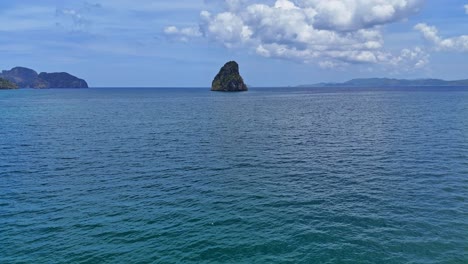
21,77
228,79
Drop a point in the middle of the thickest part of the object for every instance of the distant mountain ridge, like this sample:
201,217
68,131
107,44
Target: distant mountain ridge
28,78
389,82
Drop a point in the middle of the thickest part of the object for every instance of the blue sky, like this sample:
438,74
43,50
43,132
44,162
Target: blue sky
276,42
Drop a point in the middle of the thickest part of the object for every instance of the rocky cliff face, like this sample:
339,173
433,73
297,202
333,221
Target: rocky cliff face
23,77
28,78
62,80
228,79
5,84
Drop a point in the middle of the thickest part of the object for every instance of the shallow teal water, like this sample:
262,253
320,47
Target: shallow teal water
268,176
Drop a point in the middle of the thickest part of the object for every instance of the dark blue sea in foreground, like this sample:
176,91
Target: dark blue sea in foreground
269,176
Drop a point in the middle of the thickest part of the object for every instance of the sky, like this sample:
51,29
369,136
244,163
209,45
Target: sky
183,43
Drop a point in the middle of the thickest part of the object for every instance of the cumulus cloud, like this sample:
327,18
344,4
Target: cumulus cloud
416,57
356,14
330,33
431,34
466,9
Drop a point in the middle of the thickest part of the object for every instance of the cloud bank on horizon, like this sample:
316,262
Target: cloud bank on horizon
332,33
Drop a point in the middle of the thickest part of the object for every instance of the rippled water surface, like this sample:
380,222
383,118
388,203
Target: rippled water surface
268,176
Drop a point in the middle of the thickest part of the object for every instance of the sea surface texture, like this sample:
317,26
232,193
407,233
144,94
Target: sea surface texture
268,176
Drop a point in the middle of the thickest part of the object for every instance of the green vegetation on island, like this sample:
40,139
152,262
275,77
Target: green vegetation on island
27,78
5,84
228,79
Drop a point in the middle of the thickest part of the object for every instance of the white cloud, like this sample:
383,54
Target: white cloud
357,14
182,34
431,34
330,33
75,15
416,57
76,19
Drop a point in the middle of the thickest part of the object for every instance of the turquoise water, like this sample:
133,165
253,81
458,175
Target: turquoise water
268,176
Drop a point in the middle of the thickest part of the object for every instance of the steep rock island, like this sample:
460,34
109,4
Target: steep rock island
5,84
228,79
27,78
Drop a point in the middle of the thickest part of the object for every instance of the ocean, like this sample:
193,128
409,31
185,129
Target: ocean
285,175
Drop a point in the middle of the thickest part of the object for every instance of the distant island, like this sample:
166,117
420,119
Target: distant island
229,79
22,77
388,82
